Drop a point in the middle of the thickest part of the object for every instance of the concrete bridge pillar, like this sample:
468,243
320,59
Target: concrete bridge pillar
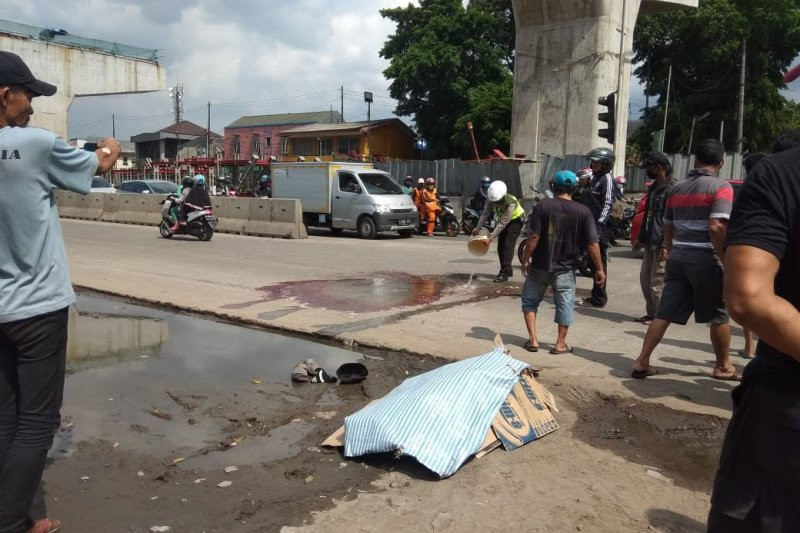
79,71
567,56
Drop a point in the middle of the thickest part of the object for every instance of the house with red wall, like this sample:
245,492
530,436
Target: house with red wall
260,134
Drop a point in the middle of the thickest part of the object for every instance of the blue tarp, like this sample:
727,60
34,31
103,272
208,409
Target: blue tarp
441,417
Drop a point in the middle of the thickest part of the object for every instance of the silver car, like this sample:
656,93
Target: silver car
149,186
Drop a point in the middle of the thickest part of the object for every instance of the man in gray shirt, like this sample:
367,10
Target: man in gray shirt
35,288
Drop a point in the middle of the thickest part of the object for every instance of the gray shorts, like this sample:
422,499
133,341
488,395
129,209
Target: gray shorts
690,288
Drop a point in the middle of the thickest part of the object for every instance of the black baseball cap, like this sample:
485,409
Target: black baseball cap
14,71
656,158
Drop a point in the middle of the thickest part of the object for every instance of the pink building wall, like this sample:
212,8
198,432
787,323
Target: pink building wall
246,134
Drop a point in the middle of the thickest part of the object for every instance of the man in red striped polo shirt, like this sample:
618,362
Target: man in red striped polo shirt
695,224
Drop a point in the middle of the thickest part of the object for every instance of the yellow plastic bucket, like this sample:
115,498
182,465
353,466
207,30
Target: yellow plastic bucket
478,245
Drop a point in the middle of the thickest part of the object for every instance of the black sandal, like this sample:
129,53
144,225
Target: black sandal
530,347
641,374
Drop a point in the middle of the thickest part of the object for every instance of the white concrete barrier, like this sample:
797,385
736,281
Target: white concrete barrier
251,216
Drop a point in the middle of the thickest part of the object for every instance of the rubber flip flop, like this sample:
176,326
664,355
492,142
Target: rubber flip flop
643,319
559,352
530,347
45,525
736,375
641,374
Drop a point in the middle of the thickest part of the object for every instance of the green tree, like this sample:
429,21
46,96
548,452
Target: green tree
444,58
704,48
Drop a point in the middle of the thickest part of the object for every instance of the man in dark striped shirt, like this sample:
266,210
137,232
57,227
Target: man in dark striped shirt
695,224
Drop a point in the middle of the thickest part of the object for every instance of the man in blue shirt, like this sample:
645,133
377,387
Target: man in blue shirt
35,288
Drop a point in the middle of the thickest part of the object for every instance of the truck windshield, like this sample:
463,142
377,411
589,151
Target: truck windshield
380,184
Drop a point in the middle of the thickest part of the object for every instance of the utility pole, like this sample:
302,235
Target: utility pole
176,94
666,110
740,119
208,131
341,104
113,126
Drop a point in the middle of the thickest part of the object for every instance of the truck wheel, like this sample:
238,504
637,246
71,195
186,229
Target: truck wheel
405,233
366,227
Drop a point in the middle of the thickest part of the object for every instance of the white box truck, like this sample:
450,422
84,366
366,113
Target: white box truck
344,195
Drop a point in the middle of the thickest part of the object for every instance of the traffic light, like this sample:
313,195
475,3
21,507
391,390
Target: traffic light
609,117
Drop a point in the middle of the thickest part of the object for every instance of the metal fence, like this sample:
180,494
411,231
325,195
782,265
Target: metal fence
636,177
456,177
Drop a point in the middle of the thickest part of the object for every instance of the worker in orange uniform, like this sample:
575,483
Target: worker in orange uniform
431,200
416,197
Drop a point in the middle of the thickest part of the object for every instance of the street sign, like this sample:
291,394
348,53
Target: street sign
422,143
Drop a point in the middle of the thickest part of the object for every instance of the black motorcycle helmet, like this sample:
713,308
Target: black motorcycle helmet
486,181
602,155
187,181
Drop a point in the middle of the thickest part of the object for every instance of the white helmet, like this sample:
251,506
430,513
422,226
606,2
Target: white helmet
497,190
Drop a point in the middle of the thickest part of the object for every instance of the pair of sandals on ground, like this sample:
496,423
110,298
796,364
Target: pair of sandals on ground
723,375
554,350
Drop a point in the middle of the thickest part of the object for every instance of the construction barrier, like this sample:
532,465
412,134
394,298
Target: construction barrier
250,216
238,211
284,217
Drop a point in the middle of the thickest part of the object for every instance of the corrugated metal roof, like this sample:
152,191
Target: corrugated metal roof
186,127
343,127
283,119
440,417
62,37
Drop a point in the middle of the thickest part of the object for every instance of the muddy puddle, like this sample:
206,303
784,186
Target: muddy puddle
681,446
158,403
381,291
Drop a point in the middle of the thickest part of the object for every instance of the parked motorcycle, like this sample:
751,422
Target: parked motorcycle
582,263
446,221
622,228
470,218
200,224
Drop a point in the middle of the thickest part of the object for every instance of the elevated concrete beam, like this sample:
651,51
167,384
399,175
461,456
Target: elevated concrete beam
567,56
80,72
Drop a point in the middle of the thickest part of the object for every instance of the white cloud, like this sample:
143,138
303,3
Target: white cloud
245,57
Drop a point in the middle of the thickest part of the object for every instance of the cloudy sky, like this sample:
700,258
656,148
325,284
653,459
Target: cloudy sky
246,57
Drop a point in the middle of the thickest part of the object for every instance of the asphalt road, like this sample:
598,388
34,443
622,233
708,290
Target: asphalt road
402,294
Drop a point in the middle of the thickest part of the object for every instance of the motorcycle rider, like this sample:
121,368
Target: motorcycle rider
651,236
510,218
408,186
416,197
197,199
430,199
264,187
478,200
176,208
599,197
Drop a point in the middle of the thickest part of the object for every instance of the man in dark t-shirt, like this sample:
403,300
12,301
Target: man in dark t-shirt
558,229
757,484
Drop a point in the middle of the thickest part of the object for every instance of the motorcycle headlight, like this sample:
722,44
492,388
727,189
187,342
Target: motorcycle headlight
381,208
